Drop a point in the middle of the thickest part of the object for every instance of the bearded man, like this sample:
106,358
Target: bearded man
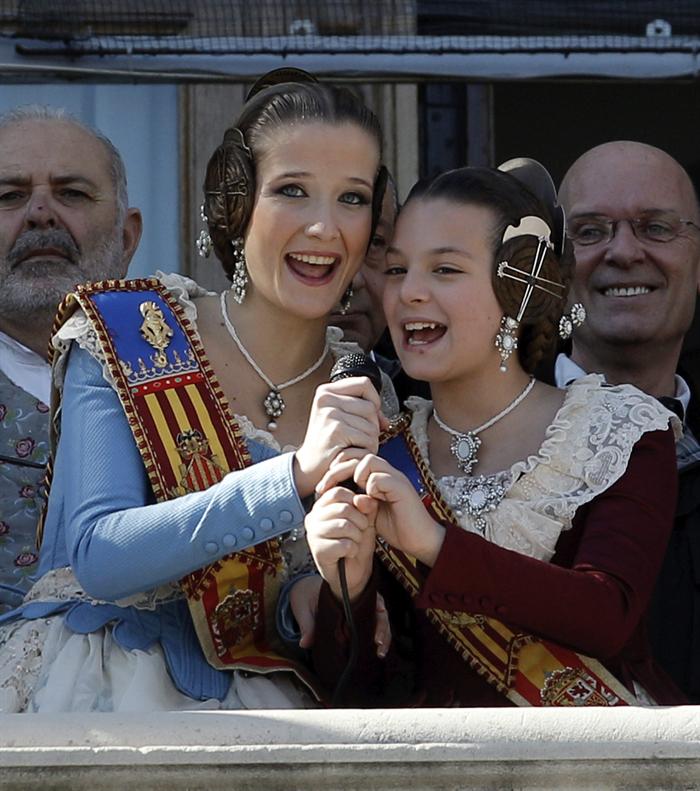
64,220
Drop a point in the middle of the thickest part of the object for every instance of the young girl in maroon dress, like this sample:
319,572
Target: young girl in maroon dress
520,527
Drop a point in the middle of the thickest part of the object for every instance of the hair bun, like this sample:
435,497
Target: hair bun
228,186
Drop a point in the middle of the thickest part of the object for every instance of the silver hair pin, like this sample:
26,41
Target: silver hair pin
507,338
530,279
537,227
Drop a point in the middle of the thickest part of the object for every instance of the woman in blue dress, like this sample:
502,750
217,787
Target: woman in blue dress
289,196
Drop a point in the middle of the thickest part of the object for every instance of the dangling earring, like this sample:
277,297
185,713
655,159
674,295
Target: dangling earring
507,340
345,299
575,318
239,280
204,244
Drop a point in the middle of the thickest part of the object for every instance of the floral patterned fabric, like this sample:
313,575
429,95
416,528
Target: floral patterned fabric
24,449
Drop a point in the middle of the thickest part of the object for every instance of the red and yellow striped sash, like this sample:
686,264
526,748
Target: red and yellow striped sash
188,440
528,670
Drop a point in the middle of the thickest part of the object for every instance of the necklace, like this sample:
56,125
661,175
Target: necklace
480,495
273,402
465,444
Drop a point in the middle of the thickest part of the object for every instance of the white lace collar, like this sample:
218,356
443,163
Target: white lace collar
585,450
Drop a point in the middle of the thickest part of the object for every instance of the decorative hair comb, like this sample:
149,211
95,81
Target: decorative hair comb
536,178
277,77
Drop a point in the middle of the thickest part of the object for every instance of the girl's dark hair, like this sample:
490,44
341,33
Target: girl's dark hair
229,183
510,200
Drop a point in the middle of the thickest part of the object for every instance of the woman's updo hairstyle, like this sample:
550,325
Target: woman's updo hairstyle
283,97
510,200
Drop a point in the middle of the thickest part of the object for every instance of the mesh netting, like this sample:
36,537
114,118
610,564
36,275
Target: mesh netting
102,27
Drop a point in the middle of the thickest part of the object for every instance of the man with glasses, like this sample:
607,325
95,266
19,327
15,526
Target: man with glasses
633,216
63,220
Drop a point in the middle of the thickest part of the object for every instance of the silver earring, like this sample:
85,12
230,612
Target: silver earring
507,340
239,280
569,321
345,299
204,244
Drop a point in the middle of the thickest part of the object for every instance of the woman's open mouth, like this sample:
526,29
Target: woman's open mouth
314,269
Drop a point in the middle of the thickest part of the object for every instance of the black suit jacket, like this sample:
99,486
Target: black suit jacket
674,618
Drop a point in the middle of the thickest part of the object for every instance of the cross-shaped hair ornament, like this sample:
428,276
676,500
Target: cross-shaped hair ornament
530,226
239,187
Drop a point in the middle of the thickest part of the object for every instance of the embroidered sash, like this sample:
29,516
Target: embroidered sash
528,670
188,440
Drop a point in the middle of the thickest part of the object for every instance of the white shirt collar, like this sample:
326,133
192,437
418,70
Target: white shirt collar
25,368
682,392
566,371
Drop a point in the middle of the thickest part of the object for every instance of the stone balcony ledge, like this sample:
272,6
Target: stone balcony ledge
593,748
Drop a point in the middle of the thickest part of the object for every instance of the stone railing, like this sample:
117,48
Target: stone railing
623,748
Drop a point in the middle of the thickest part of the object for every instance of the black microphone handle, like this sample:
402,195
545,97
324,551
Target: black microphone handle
351,365
356,364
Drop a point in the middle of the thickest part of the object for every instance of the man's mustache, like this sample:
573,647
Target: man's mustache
31,241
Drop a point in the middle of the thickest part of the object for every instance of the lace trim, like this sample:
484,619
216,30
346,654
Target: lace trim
185,290
21,657
22,641
77,328
61,585
585,451
56,585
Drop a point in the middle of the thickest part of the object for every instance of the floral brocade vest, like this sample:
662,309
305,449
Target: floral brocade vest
24,450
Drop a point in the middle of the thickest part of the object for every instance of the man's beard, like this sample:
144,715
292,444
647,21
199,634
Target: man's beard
35,287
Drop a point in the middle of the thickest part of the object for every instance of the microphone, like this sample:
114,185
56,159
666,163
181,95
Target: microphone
355,364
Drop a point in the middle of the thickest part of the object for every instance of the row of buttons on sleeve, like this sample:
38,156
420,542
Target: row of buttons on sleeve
247,534
454,600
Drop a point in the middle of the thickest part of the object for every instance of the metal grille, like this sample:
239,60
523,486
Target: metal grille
344,28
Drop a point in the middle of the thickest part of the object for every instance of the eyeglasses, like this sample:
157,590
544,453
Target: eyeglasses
655,226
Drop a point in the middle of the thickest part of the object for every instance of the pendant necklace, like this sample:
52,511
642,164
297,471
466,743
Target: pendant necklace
465,444
273,403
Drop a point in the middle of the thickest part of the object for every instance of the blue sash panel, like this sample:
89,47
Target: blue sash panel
122,316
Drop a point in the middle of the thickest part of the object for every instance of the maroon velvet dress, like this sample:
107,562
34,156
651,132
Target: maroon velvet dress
591,596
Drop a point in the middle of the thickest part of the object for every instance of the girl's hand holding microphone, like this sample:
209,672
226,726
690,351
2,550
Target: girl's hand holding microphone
336,528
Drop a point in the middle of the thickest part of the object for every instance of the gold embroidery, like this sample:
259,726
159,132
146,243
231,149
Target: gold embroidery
461,618
575,687
235,619
155,331
201,468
